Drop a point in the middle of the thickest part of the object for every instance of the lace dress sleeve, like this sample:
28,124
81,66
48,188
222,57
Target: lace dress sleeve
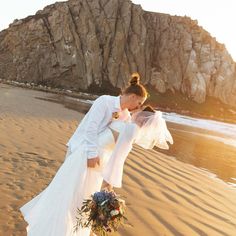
113,171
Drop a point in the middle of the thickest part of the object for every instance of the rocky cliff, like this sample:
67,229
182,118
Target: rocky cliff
83,44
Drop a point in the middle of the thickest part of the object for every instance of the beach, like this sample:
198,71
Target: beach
165,196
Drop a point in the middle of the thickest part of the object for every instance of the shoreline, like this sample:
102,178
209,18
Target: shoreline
88,96
200,138
183,149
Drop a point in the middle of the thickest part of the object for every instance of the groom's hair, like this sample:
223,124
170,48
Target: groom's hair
135,87
148,108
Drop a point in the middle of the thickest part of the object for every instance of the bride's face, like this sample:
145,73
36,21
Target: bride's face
138,119
143,117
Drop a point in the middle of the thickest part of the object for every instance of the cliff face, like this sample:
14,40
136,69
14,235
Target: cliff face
83,43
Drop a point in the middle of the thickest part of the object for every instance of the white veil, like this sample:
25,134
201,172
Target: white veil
152,130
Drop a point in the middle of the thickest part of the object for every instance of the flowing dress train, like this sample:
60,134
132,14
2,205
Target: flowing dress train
53,211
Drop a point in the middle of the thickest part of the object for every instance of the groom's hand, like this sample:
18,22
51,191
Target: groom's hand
92,162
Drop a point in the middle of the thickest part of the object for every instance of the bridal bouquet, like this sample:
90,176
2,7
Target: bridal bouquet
104,212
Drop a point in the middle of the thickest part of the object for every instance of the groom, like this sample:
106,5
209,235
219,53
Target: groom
99,117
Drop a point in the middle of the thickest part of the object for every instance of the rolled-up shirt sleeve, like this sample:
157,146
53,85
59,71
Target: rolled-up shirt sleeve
96,115
113,171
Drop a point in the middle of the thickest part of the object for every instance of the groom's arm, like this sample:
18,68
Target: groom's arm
96,115
113,171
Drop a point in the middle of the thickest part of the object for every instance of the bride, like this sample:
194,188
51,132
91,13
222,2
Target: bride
53,211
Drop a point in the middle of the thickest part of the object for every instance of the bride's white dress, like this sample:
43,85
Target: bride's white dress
53,211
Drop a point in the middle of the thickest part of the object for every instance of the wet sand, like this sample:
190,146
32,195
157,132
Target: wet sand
204,149
165,196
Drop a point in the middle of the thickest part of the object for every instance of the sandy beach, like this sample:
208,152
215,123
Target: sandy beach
165,196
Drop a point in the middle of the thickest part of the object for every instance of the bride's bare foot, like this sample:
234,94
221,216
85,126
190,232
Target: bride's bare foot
92,234
107,186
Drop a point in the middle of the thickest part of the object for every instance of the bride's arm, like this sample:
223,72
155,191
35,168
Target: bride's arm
113,171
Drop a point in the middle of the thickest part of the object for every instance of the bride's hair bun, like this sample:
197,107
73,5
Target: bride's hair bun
135,78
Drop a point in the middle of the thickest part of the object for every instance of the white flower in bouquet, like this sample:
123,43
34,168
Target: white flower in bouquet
114,212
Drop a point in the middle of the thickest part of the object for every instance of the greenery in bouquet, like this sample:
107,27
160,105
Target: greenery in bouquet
104,212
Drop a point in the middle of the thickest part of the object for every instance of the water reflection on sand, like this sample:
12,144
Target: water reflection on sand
204,149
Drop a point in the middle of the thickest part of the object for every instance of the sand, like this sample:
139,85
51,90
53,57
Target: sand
164,196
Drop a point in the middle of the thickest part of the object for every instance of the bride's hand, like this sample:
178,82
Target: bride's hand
107,186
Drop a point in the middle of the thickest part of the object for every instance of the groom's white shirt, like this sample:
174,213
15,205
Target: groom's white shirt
95,121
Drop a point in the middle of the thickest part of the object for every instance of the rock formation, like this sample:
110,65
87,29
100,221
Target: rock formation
81,44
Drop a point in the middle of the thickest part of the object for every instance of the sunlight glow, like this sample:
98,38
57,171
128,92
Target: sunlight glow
217,17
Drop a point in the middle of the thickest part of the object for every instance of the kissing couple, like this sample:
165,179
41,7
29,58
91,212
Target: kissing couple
95,159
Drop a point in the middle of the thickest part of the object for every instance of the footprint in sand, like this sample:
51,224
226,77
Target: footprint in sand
10,186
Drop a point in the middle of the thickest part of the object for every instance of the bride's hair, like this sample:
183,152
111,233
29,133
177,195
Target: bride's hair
148,108
152,129
135,87
142,117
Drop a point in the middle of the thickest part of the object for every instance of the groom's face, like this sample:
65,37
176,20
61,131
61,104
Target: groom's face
135,102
